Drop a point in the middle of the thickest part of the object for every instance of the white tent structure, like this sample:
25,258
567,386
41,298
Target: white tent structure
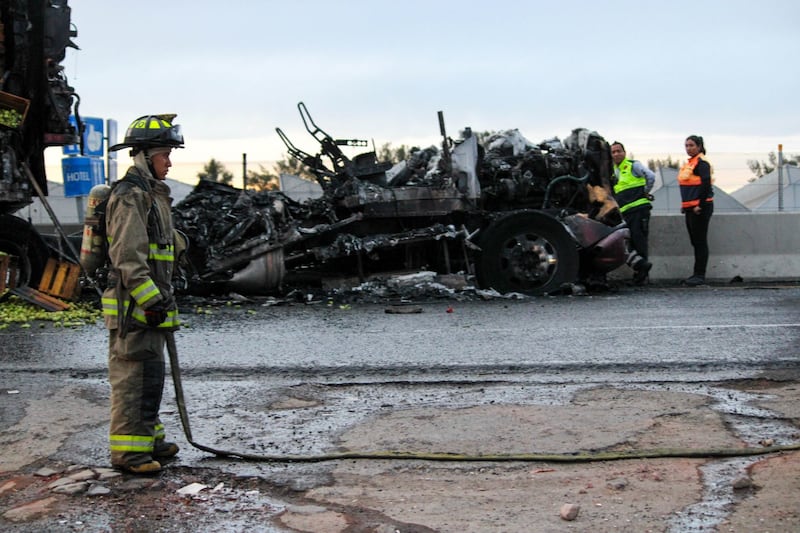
299,189
765,194
667,195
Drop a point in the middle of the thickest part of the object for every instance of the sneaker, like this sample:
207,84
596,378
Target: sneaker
694,281
148,467
164,450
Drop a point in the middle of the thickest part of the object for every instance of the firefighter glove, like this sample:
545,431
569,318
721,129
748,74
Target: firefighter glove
156,314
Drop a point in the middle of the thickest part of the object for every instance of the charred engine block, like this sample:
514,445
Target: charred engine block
526,176
513,171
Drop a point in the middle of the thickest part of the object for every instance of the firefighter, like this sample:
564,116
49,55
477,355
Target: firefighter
632,187
138,303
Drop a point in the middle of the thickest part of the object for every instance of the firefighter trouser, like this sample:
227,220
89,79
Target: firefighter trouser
136,373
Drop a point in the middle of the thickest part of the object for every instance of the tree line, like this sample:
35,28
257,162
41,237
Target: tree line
762,168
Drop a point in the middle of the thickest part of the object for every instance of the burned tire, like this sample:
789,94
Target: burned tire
526,252
20,239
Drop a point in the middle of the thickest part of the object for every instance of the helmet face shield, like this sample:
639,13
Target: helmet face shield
172,136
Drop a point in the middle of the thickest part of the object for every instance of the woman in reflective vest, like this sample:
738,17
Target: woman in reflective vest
697,204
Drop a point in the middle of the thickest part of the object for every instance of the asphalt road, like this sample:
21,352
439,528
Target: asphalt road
300,379
235,358
673,331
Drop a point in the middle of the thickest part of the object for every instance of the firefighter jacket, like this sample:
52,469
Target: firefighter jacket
140,250
634,181
694,179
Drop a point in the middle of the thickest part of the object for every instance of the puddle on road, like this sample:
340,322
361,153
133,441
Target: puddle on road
748,422
718,497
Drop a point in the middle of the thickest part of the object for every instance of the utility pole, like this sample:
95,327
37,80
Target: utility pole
780,177
244,171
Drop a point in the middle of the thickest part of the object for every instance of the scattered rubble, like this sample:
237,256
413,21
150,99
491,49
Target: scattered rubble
192,489
383,289
617,484
79,479
98,490
569,511
30,510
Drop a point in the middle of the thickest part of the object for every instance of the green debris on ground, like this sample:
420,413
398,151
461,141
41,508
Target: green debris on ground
15,310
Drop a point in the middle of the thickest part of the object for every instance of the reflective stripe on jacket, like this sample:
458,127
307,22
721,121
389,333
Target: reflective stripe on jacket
630,190
695,187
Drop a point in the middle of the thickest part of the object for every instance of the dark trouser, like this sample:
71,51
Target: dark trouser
697,226
136,373
638,220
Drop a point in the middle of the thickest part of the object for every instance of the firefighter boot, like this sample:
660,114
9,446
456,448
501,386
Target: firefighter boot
148,466
164,450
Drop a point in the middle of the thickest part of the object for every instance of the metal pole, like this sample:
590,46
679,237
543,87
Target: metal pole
81,209
244,171
780,177
111,157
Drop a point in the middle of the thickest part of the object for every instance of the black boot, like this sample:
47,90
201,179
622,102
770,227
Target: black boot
640,271
165,450
695,281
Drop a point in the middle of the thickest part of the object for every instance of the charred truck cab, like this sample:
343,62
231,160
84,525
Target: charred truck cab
35,104
519,217
526,219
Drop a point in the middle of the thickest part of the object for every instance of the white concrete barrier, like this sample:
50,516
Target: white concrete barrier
753,246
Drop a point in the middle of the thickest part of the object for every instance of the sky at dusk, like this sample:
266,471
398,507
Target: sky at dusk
644,73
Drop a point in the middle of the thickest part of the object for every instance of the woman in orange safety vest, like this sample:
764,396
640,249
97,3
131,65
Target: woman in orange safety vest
697,204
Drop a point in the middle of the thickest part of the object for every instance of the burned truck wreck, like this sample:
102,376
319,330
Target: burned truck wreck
512,215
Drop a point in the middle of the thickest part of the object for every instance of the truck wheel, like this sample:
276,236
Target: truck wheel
526,252
20,239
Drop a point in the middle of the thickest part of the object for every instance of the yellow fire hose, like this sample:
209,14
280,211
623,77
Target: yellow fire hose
579,457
